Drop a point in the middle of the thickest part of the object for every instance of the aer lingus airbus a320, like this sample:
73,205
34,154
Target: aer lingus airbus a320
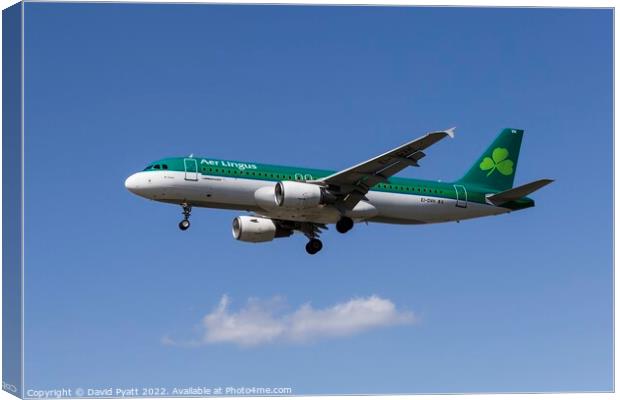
282,200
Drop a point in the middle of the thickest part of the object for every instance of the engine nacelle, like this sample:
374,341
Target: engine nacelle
257,229
299,195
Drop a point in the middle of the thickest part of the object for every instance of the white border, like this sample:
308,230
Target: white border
436,3
22,217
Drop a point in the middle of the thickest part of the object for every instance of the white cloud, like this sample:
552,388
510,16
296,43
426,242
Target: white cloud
252,325
356,315
261,322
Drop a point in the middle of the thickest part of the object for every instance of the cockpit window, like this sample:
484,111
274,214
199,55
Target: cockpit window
156,166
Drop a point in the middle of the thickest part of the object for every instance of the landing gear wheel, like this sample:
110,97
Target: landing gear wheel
314,246
184,225
187,210
344,225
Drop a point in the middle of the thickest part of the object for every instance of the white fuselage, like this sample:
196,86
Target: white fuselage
255,195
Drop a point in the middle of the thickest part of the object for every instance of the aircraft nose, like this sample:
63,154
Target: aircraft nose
133,183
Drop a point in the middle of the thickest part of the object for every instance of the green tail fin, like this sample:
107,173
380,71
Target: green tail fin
496,167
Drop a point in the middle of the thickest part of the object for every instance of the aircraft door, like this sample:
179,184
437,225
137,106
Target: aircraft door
191,169
461,196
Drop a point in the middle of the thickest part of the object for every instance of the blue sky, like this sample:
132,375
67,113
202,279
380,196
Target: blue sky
520,302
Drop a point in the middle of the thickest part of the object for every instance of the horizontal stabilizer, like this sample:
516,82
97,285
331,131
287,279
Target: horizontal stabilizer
517,193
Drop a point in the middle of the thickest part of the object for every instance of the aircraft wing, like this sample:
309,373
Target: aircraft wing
353,183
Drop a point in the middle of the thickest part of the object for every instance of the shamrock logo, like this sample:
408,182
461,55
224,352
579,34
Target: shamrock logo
499,162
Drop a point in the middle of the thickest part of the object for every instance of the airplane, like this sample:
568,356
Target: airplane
282,200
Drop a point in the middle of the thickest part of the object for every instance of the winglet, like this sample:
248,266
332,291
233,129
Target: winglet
450,132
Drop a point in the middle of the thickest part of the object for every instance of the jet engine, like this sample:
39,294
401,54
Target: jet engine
299,195
257,229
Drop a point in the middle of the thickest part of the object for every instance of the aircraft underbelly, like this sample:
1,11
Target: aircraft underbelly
233,192
257,195
410,208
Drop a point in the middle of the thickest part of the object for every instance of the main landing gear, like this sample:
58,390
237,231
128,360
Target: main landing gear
344,225
312,232
187,210
314,246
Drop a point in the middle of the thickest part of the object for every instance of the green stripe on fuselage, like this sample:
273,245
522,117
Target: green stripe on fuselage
275,173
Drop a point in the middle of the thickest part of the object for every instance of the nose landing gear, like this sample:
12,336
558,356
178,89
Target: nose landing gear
187,210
